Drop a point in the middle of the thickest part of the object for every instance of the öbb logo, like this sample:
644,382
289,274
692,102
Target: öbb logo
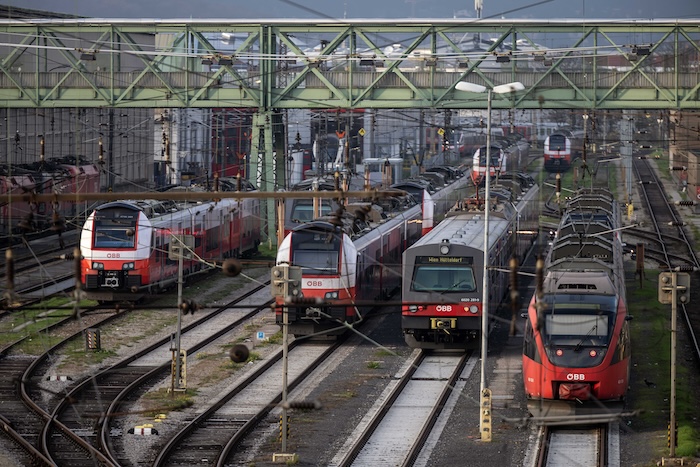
575,376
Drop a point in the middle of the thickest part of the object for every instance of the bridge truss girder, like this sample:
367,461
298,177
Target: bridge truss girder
594,65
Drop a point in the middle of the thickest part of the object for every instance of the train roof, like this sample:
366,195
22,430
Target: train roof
155,208
580,282
586,256
465,226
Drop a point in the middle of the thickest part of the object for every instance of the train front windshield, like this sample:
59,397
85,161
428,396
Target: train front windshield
443,274
557,142
578,328
495,156
316,252
115,228
303,210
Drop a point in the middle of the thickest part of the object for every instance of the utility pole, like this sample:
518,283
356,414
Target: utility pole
286,284
180,246
674,287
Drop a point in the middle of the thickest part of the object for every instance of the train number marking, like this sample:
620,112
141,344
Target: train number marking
575,377
443,308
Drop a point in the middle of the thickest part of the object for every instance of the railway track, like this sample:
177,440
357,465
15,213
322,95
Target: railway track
90,409
397,428
674,248
23,417
220,431
28,405
572,446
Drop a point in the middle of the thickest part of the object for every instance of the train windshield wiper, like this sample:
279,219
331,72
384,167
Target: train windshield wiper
454,286
583,339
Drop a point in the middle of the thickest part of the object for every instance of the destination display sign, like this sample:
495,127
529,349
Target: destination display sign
444,260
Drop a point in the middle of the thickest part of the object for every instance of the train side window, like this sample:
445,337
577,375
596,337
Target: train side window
529,343
212,241
154,246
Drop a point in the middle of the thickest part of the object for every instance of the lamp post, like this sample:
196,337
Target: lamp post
485,424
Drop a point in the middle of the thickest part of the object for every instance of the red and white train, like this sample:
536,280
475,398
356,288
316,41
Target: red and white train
442,290
355,257
125,244
65,175
506,154
561,148
576,351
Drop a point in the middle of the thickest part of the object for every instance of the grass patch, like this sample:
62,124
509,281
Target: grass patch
374,365
38,344
266,253
31,320
162,400
384,353
651,344
276,338
231,365
76,353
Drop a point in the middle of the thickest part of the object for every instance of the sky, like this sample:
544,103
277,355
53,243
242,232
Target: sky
338,9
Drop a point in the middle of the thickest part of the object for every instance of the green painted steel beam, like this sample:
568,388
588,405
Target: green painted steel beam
265,64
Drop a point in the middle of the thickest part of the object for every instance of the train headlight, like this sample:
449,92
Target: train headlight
331,295
412,308
128,266
473,309
445,246
96,265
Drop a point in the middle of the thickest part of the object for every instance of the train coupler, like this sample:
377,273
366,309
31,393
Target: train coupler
443,323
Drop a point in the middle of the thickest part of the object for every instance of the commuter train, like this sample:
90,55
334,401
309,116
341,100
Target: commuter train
561,148
506,154
442,285
436,201
127,246
576,351
354,255
56,175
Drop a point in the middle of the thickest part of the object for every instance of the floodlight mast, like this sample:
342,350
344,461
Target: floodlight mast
485,418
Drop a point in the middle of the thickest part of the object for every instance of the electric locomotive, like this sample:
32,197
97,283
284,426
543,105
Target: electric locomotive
576,351
126,245
443,272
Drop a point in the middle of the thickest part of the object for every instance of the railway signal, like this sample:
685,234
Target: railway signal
670,289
